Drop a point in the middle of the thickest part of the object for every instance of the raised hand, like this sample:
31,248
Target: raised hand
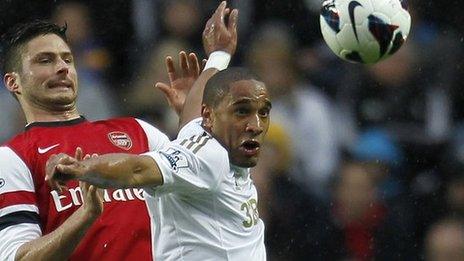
92,199
180,82
61,168
217,36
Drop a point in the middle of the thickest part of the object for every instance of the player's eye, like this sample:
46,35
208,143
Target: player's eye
69,60
44,60
242,111
264,112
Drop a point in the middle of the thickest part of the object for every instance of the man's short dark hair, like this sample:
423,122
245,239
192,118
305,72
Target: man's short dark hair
218,86
13,41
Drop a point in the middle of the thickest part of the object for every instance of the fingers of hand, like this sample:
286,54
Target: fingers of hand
99,193
194,66
60,186
226,12
221,8
51,166
219,19
183,63
92,190
64,172
84,186
96,193
54,185
209,26
57,185
95,197
171,69
232,25
218,16
91,193
78,153
203,64
66,159
167,91
56,158
165,88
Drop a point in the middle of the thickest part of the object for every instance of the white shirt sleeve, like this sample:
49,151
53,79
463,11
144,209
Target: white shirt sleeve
190,129
13,237
156,139
18,214
187,170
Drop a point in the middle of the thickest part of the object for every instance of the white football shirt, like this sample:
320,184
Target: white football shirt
206,208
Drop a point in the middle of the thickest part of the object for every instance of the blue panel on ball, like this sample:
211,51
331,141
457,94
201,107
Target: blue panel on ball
404,4
330,14
382,32
354,57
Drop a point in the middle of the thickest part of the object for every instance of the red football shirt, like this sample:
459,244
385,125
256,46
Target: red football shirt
123,230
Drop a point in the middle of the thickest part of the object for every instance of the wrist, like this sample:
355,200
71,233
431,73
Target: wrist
219,60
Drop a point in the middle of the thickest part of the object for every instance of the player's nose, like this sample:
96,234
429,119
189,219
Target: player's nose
255,125
62,66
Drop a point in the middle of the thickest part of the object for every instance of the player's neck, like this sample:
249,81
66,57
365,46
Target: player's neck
34,114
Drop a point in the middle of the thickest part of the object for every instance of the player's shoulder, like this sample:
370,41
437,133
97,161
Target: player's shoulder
125,124
9,157
196,139
24,149
116,120
5,153
205,148
23,143
192,128
17,139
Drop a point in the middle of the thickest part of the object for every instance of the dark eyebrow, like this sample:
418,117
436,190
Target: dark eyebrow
52,53
44,54
242,101
246,100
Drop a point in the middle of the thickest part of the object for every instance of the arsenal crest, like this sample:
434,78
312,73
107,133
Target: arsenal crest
120,139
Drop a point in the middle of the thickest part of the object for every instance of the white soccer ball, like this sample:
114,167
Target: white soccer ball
365,31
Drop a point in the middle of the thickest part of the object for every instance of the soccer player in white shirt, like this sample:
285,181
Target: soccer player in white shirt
201,199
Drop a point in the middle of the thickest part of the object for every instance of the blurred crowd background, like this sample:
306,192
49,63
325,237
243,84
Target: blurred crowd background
361,162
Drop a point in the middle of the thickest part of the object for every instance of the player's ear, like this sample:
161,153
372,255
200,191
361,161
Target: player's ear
12,82
206,114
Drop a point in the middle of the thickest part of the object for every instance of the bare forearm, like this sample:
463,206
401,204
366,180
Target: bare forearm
119,170
192,107
59,244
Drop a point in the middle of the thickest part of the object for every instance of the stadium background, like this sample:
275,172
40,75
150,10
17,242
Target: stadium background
362,162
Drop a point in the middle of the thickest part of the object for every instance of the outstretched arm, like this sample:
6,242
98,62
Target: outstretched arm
185,90
219,40
115,170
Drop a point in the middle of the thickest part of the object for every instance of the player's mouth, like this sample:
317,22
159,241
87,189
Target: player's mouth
250,147
62,84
